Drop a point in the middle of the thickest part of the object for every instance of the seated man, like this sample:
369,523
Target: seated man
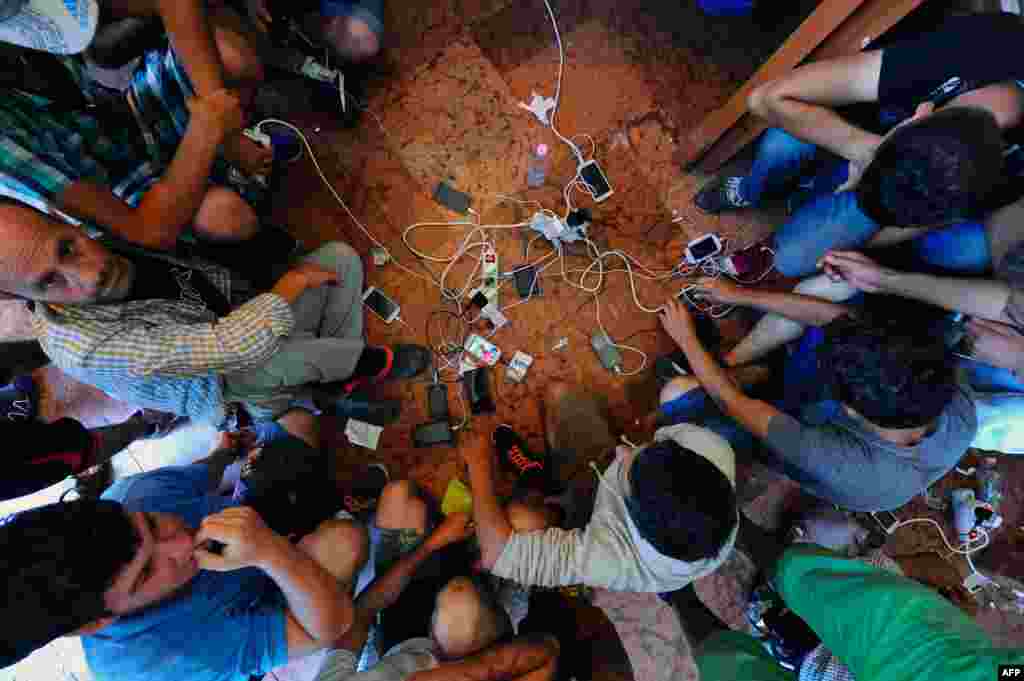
169,334
435,622
138,576
663,514
850,605
940,167
139,164
871,414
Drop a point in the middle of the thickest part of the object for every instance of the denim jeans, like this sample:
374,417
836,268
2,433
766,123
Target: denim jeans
827,220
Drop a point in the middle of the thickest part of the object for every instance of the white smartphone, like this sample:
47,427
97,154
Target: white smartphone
595,180
381,305
702,248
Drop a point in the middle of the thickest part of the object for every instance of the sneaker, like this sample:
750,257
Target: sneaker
361,499
92,482
721,195
531,469
404,361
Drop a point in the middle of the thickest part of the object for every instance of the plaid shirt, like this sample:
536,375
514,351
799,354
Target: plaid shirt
164,354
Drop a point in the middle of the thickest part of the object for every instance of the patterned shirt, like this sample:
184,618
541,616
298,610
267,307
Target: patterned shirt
164,354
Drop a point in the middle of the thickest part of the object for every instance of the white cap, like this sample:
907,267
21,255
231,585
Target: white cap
58,26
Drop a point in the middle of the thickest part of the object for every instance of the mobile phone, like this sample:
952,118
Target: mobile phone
381,305
527,283
702,248
433,433
452,198
595,180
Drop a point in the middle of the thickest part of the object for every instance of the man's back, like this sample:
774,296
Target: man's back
221,625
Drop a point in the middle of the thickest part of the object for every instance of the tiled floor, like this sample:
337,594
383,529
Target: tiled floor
444,106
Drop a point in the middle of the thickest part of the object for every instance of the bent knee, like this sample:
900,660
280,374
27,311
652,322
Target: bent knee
353,38
402,508
339,546
237,50
225,216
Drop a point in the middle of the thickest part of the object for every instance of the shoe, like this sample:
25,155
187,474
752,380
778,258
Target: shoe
94,481
531,469
361,499
720,195
404,361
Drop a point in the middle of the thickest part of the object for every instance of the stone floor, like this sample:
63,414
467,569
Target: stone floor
443,105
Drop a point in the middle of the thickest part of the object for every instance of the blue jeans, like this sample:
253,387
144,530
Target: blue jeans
835,221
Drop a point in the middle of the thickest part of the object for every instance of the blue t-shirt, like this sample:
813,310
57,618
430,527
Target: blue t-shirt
222,626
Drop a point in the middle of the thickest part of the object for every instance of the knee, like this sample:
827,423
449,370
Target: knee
339,256
464,621
225,216
401,507
353,38
238,55
525,518
339,546
677,387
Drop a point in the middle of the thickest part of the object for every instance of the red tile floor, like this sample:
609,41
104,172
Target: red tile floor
443,105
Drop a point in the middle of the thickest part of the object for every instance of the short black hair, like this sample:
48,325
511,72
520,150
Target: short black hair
893,375
942,168
681,503
58,562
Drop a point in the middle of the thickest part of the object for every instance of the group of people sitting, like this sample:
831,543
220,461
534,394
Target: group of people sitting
863,402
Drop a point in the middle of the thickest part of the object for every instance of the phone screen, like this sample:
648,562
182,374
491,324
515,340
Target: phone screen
595,179
383,306
703,248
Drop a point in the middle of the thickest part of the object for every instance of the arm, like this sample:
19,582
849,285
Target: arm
248,336
983,298
493,529
385,590
754,415
316,606
807,310
802,102
188,26
888,236
172,203
527,658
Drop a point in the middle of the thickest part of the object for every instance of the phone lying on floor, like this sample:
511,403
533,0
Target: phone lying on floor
381,305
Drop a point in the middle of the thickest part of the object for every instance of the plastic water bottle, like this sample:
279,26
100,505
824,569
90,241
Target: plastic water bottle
537,166
990,482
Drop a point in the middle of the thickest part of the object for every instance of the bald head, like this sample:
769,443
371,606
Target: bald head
467,619
51,261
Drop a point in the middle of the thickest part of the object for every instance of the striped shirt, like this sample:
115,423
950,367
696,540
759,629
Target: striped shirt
164,354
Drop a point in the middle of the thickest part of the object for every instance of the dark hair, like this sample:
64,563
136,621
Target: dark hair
680,502
893,376
58,561
939,169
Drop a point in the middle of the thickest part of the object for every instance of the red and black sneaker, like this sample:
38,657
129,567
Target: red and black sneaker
532,469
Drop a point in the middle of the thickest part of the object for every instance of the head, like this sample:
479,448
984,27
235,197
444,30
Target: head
48,260
681,503
73,567
467,618
889,375
933,169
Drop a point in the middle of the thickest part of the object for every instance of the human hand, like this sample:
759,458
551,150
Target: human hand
237,441
856,269
259,14
997,344
677,320
453,529
719,291
247,541
248,156
220,110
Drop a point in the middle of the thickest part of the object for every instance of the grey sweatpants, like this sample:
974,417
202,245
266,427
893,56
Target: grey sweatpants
324,347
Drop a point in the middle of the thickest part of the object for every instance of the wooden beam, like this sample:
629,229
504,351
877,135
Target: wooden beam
828,16
868,22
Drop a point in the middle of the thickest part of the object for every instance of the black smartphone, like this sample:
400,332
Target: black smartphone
437,401
527,283
595,180
452,198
